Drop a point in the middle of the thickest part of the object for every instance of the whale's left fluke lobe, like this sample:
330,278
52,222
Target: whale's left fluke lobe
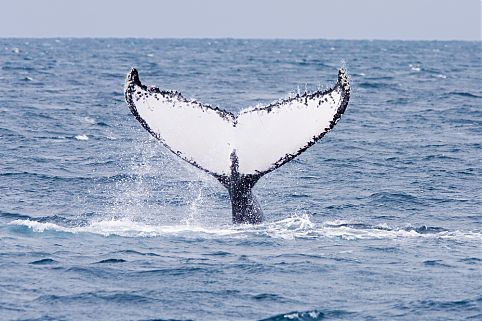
198,133
237,150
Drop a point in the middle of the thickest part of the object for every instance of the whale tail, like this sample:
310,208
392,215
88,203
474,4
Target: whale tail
237,149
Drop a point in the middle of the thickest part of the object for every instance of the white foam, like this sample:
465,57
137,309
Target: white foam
296,227
82,137
414,68
125,228
38,226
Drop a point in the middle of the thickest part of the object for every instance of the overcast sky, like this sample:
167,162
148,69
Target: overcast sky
332,19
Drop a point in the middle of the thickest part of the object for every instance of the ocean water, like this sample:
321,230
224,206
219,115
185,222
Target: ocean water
380,220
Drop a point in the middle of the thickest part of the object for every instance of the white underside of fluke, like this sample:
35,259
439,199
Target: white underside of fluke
199,135
263,138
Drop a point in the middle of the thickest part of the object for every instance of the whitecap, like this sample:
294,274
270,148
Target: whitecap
126,228
82,137
296,227
414,68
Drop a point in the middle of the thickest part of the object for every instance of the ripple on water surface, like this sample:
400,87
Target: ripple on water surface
378,221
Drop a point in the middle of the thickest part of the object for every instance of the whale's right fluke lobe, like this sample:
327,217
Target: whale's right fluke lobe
260,139
268,137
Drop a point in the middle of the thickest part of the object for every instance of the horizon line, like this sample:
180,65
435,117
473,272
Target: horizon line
234,38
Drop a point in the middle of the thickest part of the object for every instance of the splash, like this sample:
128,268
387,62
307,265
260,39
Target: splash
296,227
157,188
313,315
125,228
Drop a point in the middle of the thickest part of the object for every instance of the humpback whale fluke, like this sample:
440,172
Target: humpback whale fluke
237,149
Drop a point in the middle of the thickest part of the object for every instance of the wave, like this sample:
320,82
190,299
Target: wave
111,261
303,227
296,227
313,315
123,227
373,85
93,297
82,137
456,306
464,94
43,262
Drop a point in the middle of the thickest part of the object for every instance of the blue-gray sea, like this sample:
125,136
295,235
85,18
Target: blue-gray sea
380,220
